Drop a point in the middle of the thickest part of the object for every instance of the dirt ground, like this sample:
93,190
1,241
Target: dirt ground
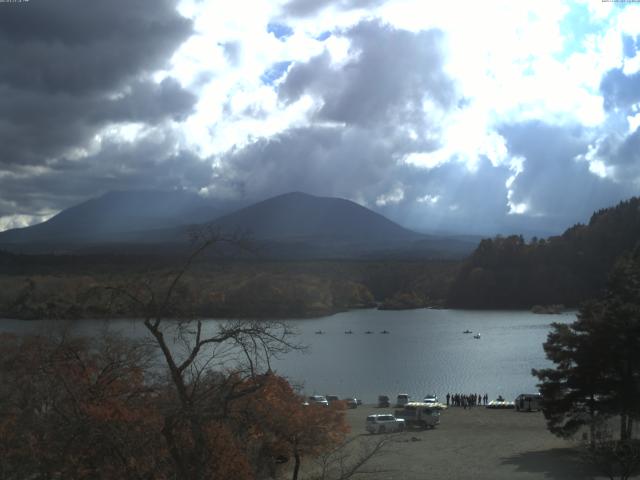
473,444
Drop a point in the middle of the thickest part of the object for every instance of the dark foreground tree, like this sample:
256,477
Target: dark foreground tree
597,374
597,358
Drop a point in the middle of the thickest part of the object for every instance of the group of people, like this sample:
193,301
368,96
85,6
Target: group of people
466,400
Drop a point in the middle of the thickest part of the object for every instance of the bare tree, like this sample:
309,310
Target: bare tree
236,349
352,458
617,459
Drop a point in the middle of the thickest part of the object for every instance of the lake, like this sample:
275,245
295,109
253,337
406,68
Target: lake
424,352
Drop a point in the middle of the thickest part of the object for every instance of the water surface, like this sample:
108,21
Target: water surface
424,352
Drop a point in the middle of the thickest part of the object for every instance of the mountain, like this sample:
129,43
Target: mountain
507,272
298,216
293,225
118,216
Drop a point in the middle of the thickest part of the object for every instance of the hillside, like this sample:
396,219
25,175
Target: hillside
289,226
296,216
119,216
507,272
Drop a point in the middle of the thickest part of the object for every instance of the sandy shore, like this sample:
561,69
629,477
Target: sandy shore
474,444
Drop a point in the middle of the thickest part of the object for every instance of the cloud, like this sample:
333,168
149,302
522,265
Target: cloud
389,77
370,112
67,47
153,160
620,90
557,182
305,8
71,70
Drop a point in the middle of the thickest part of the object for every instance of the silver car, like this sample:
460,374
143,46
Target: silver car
318,400
384,423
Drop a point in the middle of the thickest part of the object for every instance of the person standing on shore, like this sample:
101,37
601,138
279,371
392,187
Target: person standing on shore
448,398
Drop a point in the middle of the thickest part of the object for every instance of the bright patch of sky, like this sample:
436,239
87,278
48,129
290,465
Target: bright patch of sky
274,72
280,30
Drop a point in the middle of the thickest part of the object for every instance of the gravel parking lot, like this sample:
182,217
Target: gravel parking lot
474,444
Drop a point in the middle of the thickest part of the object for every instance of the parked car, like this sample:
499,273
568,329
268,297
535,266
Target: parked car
501,403
419,414
383,401
352,402
318,400
527,402
384,423
431,398
402,399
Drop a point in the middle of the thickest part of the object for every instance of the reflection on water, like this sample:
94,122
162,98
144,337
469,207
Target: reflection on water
424,352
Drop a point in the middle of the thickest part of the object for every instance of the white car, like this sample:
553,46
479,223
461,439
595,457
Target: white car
402,399
384,423
318,400
430,398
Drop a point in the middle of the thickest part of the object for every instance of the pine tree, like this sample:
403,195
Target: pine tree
597,358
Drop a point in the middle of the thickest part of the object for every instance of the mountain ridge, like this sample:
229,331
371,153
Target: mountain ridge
290,225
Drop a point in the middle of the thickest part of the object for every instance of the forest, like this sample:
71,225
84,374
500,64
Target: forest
510,272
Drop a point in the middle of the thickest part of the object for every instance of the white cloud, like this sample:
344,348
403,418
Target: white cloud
428,199
394,196
20,221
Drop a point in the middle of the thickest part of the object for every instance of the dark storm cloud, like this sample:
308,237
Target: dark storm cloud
620,90
117,166
555,183
320,160
305,8
69,69
75,47
391,74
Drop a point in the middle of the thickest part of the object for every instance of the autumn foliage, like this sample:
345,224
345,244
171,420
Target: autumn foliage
71,408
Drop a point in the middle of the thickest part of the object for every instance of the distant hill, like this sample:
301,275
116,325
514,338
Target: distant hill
293,225
298,216
507,272
118,216
298,225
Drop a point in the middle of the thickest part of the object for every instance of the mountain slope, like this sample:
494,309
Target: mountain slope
115,216
298,216
293,225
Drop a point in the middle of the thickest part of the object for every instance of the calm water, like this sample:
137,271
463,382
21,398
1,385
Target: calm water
424,352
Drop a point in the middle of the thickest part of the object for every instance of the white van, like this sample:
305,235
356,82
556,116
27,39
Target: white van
419,414
402,399
527,402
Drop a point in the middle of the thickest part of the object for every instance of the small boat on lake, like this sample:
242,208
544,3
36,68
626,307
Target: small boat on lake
467,331
385,331
368,332
348,332
477,335
319,332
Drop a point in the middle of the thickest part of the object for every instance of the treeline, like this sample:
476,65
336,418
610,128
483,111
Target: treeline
226,289
508,272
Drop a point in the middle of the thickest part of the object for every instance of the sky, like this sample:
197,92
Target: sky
474,117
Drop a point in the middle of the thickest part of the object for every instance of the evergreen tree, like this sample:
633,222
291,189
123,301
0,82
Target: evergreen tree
597,357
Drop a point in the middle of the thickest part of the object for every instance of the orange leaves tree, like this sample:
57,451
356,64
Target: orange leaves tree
279,424
74,409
